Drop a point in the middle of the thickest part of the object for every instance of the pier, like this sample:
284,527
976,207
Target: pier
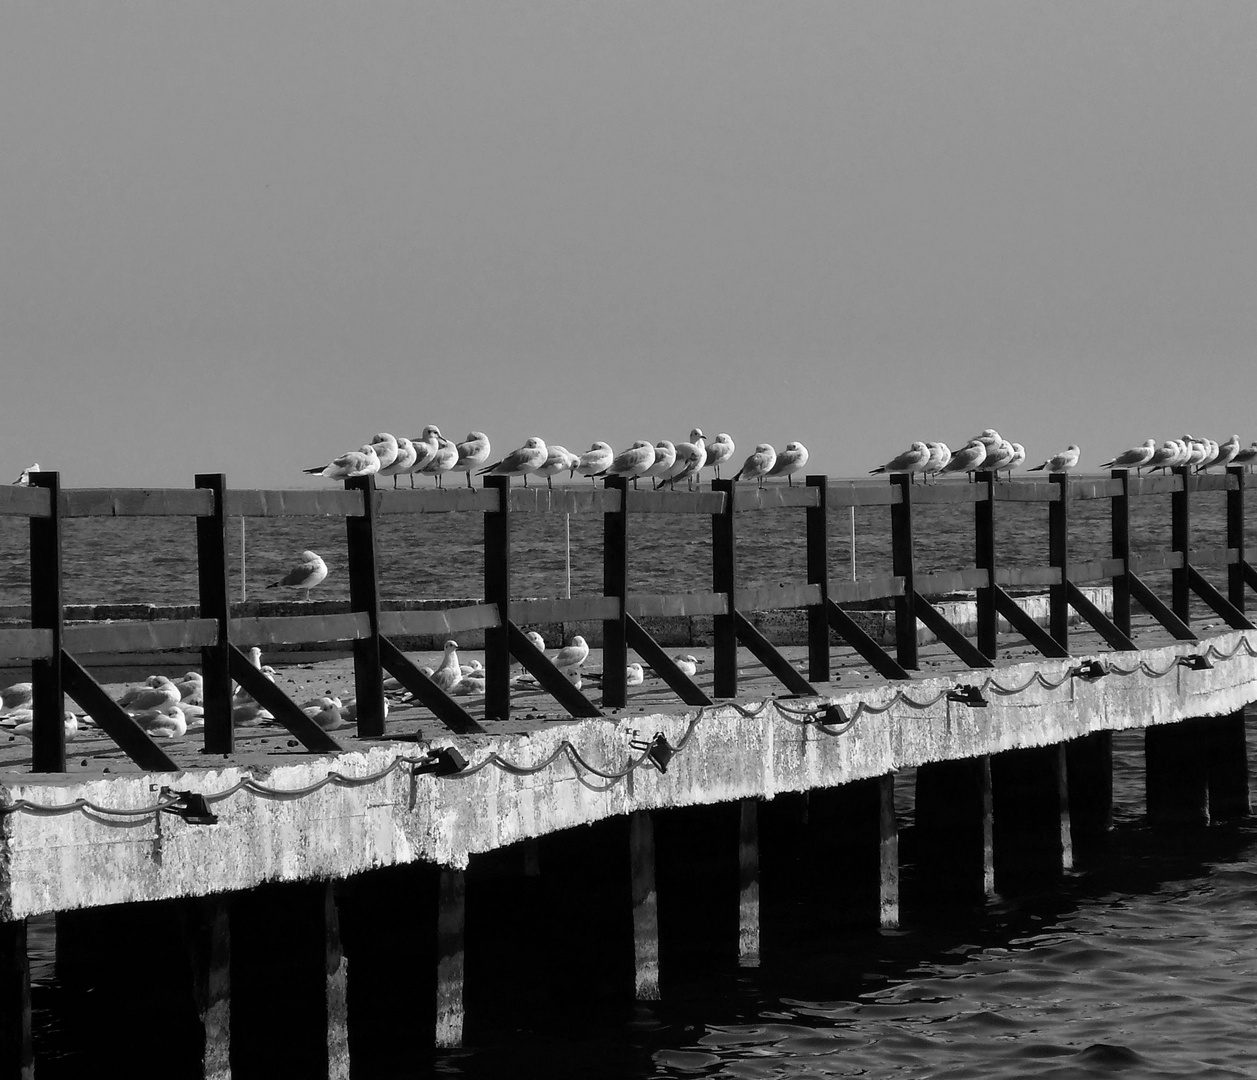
342,878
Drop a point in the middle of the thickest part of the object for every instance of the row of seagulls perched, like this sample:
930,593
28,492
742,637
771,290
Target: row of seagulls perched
429,454
1200,454
988,451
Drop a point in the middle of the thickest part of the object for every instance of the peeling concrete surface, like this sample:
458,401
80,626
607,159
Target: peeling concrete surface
754,749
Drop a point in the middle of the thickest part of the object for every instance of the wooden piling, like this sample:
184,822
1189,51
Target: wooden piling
748,884
497,590
954,831
1058,558
1030,799
364,596
1119,520
615,584
724,580
1237,482
1176,775
902,567
645,906
211,568
17,1054
1180,542
984,559
1227,766
818,574
207,938
48,735
451,923
1089,772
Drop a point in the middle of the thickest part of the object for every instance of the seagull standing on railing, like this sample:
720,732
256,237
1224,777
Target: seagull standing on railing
385,448
998,457
789,461
361,462
1246,456
665,458
595,460
443,461
1018,459
940,455
403,462
912,460
304,574
24,477
473,452
1134,458
522,462
1062,462
558,459
1226,453
633,462
1166,455
758,464
691,457
426,447
968,459
719,450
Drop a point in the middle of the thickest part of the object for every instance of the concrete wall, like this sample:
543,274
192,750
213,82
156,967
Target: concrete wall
753,750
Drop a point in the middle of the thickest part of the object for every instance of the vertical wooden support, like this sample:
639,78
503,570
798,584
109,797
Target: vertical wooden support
1030,797
337,989
1227,766
48,736
1089,772
1235,590
207,937
615,583
1058,559
1180,541
901,566
645,906
1176,775
724,580
984,559
954,830
748,884
497,590
888,848
818,574
17,1054
211,571
364,595
450,924
1119,509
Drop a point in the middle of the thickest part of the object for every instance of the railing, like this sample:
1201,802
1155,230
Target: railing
53,649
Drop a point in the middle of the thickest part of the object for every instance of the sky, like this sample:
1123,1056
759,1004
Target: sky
244,238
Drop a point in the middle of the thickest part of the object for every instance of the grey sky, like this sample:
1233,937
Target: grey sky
242,237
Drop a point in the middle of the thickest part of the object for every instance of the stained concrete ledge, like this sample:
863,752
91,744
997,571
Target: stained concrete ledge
755,749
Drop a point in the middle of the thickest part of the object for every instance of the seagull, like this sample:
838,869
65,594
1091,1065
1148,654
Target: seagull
1226,452
687,665
407,455
1246,456
665,458
595,460
573,655
386,446
448,674
156,692
558,459
305,574
1134,458
191,688
719,450
22,723
24,477
20,695
1197,451
445,458
473,452
912,460
691,457
998,457
1211,455
324,711
527,459
940,455
1018,459
759,464
426,447
361,462
633,675
1062,462
967,459
633,462
168,722
789,461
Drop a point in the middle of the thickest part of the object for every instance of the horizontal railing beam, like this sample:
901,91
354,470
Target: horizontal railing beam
585,608
674,604
263,503
136,502
16,501
441,622
300,629
436,500
139,637
880,587
778,597
26,644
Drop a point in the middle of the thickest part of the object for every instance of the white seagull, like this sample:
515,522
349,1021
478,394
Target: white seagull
473,452
403,462
448,674
1062,462
633,462
426,447
665,458
361,462
443,461
691,457
940,455
558,459
1134,458
385,448
719,450
912,460
595,460
573,655
759,464
527,459
24,477
967,459
789,461
306,573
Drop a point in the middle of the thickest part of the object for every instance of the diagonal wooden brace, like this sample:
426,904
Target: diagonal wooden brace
1159,610
764,652
286,712
112,718
552,680
1099,621
431,696
1026,626
664,666
1235,618
858,638
933,619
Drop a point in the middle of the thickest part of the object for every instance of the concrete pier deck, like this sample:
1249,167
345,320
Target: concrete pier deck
93,837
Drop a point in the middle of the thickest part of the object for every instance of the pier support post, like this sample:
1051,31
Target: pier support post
289,974
748,884
364,596
984,559
1089,770
902,566
451,921
1176,774
1228,766
497,590
645,906
211,568
954,833
818,574
724,560
1030,797
17,1055
207,936
855,850
615,585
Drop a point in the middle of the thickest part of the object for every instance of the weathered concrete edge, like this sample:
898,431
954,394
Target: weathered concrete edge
753,750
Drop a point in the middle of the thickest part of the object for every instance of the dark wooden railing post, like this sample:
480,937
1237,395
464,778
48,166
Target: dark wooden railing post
48,734
497,590
1180,540
1235,534
818,574
901,566
364,596
984,559
724,580
1058,558
211,572
1120,524
615,584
